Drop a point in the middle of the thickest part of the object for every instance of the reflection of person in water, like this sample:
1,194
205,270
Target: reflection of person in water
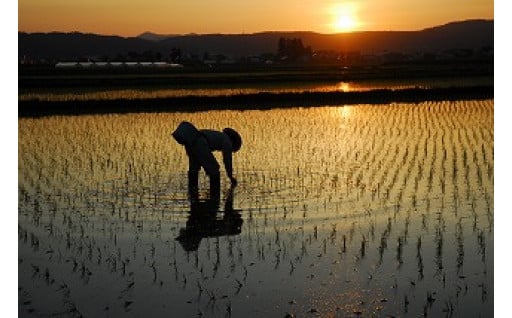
199,145
203,221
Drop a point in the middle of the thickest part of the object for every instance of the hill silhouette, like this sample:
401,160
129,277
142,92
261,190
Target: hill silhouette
470,34
75,45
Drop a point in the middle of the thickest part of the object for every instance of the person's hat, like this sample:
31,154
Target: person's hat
236,140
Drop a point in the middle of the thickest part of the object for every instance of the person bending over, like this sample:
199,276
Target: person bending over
199,145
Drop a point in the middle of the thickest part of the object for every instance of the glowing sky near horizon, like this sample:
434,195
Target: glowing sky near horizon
132,17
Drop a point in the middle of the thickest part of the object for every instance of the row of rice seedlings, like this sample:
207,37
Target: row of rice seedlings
442,162
132,157
116,160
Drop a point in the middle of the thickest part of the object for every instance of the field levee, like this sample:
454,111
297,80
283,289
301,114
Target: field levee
35,108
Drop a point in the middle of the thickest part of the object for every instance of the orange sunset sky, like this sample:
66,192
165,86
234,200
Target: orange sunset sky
132,17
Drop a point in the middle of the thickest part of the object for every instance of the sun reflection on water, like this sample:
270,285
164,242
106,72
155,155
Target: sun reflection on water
344,87
346,111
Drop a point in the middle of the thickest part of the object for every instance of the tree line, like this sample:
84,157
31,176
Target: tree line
292,49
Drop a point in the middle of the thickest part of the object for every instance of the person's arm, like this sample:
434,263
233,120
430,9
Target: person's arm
227,155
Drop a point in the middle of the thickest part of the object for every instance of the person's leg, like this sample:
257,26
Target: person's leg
215,189
193,173
186,134
205,158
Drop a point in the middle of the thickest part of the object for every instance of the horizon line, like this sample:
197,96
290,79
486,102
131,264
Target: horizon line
250,33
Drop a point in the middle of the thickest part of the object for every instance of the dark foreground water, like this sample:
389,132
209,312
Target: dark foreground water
340,211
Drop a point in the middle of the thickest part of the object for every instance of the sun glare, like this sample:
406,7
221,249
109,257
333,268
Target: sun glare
344,17
345,23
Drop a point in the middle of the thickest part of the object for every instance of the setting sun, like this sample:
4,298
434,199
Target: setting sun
344,18
345,23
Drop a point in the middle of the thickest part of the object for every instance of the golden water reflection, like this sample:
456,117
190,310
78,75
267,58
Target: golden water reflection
344,87
242,89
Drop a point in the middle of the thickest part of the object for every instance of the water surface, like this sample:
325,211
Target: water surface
241,89
340,211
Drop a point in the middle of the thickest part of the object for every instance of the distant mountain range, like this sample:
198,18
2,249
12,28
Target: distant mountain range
470,34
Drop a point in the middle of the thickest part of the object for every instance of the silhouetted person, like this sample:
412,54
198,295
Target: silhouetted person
203,222
199,145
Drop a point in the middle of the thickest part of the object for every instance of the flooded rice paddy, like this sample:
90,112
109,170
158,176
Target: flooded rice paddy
371,211
244,89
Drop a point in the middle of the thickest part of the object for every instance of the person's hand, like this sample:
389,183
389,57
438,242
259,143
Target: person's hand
233,181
